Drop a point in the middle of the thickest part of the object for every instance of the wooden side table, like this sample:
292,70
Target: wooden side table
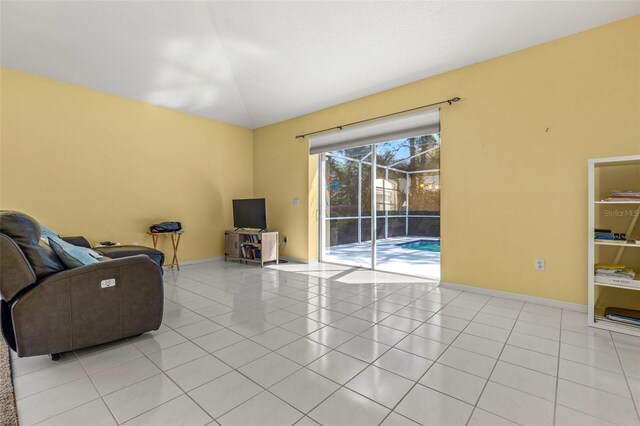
175,242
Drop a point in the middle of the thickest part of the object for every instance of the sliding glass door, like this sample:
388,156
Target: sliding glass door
401,201
346,206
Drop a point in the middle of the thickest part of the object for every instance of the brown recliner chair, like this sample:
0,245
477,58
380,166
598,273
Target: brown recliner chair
46,309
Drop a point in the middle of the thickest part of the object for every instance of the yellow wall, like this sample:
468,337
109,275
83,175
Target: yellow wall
88,163
512,190
514,158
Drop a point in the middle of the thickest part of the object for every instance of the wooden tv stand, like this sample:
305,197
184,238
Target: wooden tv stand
245,245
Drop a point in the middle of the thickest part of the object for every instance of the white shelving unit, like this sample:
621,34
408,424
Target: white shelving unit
606,174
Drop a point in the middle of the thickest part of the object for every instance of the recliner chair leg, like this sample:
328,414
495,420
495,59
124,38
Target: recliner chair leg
55,357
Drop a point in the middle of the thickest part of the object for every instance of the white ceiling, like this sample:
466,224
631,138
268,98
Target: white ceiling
257,63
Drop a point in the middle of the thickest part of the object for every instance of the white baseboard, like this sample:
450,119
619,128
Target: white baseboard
196,261
217,258
516,296
299,260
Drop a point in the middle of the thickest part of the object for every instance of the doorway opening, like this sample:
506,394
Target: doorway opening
380,206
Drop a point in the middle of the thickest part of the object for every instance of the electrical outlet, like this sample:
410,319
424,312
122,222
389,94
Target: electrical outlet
539,264
286,239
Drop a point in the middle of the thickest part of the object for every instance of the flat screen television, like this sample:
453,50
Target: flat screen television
250,213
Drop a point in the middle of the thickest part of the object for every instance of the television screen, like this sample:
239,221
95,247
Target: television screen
250,213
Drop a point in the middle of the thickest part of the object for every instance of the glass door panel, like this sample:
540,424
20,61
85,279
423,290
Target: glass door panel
347,206
408,206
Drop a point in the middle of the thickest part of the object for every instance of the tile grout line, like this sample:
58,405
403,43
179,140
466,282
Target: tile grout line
595,367
72,408
302,367
144,355
96,388
338,299
571,381
163,372
423,321
245,338
233,369
274,351
626,379
599,417
340,386
212,354
369,364
555,401
568,360
236,370
87,376
417,382
126,340
300,337
475,406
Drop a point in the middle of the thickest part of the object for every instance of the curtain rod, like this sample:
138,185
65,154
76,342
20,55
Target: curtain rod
448,101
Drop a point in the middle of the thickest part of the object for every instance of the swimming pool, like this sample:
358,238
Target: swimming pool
422,245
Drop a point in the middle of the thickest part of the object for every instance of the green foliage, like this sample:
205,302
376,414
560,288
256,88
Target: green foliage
424,191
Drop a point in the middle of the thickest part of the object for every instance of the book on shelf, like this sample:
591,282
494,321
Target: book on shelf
628,316
610,279
609,266
603,234
622,272
616,322
615,274
624,320
623,196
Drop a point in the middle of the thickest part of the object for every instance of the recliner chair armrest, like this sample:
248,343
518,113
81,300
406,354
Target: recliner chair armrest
79,241
89,305
16,274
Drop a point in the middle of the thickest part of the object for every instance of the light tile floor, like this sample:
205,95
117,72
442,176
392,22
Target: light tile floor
325,344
